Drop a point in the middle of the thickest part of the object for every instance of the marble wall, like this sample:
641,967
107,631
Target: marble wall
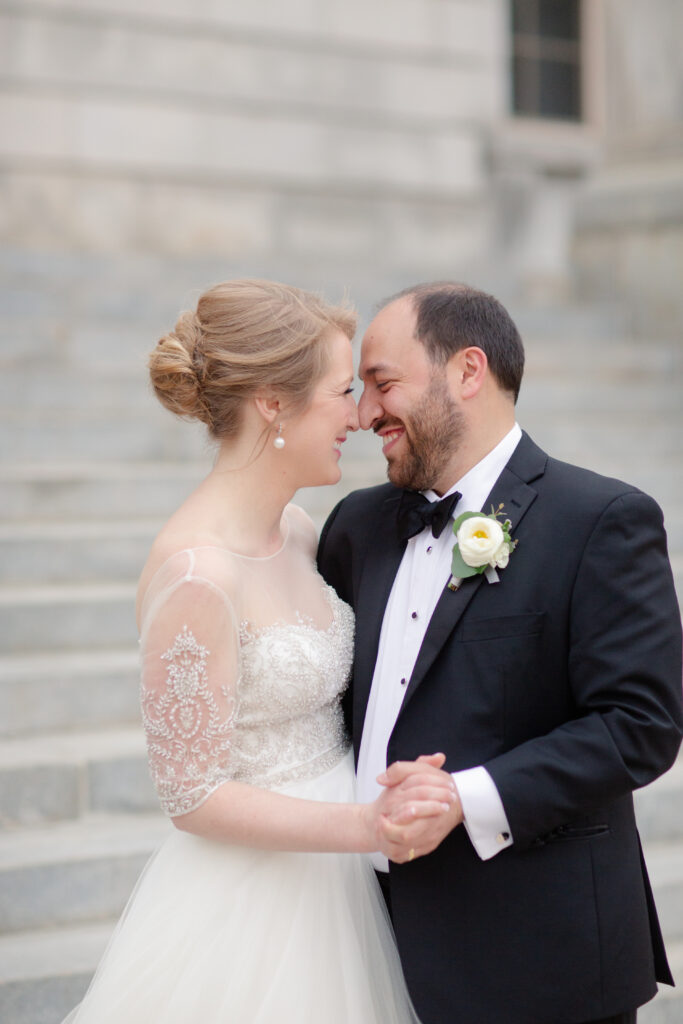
275,133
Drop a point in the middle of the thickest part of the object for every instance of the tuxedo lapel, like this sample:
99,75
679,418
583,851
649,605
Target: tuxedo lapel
512,490
386,550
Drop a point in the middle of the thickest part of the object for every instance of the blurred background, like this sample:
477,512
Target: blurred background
148,150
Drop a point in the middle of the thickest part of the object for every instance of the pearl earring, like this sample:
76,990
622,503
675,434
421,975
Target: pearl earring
279,441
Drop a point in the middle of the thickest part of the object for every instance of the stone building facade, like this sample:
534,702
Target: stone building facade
361,142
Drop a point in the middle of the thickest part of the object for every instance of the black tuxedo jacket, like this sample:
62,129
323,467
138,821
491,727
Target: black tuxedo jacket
564,681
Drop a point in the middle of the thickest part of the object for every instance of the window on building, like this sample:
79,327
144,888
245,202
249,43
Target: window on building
546,58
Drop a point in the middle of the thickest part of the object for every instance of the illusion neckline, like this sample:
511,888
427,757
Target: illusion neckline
229,551
215,547
284,520
304,621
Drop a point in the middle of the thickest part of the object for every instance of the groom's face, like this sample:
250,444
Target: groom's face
406,401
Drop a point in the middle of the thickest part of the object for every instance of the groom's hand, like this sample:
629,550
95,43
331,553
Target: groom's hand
409,784
406,832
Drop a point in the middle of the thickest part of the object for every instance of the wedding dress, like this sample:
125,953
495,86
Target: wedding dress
244,661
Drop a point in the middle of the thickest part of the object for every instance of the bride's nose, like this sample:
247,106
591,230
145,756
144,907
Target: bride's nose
352,422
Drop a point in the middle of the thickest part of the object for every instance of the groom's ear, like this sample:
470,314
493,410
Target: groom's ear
466,371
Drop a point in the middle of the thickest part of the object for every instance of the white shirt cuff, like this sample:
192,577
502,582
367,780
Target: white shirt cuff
485,818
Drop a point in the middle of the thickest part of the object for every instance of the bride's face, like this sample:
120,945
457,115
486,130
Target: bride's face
313,439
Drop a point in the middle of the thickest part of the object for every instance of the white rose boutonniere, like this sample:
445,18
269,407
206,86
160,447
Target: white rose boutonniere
482,545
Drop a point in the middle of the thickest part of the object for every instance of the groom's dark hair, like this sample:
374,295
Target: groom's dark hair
453,316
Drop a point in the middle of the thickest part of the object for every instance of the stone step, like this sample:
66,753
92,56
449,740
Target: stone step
40,496
48,775
78,551
659,807
56,386
82,490
105,288
595,432
620,378
74,873
45,973
547,393
558,352
664,861
58,691
82,852
134,434
677,566
555,324
110,345
87,616
153,435
62,776
45,492
67,617
58,287
43,504
667,1006
51,506
88,287
77,382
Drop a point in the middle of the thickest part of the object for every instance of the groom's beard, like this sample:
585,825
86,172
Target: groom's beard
433,433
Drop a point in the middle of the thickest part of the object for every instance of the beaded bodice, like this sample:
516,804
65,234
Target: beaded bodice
288,723
225,697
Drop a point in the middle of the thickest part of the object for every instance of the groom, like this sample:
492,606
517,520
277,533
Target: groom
553,691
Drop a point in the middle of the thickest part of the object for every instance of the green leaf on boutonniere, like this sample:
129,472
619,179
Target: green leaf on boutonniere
459,567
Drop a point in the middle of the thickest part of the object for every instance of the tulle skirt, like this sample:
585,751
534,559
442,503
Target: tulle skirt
219,934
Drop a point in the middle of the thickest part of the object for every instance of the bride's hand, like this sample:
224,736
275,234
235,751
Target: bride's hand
394,836
410,830
426,795
405,837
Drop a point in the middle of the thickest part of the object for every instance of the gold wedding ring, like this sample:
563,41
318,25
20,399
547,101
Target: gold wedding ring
411,854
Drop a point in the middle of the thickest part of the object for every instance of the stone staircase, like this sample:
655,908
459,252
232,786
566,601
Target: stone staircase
89,469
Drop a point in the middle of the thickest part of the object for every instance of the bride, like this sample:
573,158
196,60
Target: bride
260,907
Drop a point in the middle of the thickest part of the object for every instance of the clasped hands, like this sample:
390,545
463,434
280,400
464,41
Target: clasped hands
417,808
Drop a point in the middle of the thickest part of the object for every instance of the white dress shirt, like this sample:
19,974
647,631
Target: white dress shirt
422,575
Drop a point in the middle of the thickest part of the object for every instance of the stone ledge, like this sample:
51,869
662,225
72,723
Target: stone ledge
56,778
457,29
667,1006
71,691
74,874
333,81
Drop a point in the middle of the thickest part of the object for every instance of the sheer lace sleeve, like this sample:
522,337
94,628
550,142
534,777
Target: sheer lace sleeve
190,672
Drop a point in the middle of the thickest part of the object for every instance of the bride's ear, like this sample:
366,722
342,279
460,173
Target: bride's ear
269,407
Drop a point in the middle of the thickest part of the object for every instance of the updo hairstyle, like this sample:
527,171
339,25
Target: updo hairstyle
246,337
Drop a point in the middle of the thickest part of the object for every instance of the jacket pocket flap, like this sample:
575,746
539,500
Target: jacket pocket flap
527,624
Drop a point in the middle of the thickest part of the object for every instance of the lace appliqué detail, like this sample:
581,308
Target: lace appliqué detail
188,728
279,722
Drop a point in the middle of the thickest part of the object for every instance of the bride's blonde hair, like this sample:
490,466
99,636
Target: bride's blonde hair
246,336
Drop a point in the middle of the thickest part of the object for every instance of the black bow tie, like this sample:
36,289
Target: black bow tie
415,512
